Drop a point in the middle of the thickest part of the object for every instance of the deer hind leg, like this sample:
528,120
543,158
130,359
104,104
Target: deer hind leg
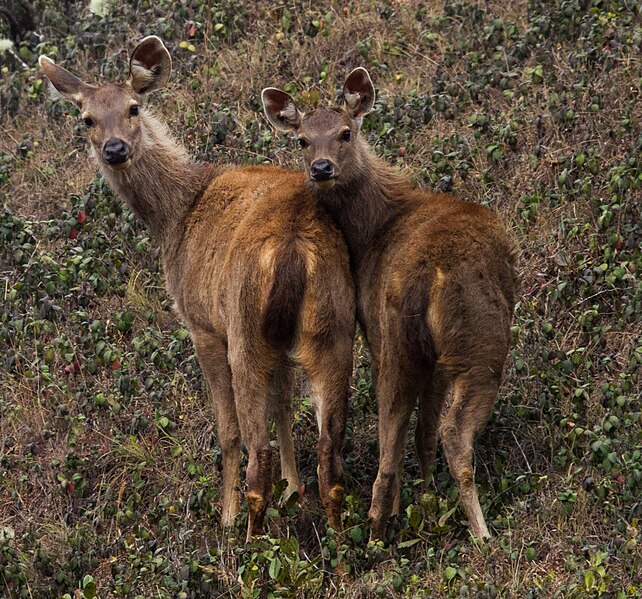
212,357
329,368
431,402
396,398
475,393
283,415
252,372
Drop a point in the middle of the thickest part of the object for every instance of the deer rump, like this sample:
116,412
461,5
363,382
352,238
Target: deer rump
270,259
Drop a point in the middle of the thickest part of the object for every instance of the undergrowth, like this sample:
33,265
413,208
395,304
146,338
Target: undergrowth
109,466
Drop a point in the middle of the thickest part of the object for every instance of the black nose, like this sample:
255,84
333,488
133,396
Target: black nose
322,170
115,152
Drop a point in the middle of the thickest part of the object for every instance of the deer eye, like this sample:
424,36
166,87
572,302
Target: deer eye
133,110
345,136
302,143
89,122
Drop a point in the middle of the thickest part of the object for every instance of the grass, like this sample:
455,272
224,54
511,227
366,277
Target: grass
109,466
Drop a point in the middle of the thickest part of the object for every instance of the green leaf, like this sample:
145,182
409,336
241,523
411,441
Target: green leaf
414,517
279,488
450,573
89,587
408,543
356,534
442,521
292,500
275,569
286,20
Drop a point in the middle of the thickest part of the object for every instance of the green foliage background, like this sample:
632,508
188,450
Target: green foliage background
109,467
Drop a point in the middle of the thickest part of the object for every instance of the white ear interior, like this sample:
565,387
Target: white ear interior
289,112
352,99
141,73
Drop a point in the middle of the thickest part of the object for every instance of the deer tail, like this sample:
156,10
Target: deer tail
417,336
282,310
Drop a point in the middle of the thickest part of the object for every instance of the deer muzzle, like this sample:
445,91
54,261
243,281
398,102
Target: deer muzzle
116,153
323,173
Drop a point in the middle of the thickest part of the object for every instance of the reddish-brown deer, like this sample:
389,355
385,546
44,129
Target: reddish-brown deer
257,269
435,281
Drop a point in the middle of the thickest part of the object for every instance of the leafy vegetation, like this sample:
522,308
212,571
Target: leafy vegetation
109,466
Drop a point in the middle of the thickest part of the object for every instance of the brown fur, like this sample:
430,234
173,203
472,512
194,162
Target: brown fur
248,256
436,289
281,315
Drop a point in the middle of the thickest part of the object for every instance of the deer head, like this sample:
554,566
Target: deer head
327,136
113,112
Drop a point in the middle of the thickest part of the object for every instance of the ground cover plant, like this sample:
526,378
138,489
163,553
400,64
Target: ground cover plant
109,466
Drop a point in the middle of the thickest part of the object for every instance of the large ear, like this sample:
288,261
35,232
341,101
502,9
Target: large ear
280,109
149,66
359,93
67,85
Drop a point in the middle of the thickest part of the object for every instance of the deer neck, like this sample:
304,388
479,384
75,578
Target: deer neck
367,202
161,185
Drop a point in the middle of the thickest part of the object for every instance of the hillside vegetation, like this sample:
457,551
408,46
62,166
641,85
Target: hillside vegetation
109,465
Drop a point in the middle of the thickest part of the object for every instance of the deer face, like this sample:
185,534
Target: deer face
112,116
327,136
112,112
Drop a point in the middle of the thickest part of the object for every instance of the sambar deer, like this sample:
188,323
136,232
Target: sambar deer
436,283
258,271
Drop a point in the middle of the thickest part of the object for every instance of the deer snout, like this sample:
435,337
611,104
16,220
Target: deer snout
322,170
115,151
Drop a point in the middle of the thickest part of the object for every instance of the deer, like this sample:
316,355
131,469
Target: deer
436,284
257,269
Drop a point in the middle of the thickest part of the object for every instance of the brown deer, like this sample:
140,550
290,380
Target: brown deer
257,269
436,284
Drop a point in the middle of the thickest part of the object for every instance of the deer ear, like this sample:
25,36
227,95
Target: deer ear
359,93
149,66
280,109
63,83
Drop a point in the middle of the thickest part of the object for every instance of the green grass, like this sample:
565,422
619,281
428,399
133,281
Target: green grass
109,466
